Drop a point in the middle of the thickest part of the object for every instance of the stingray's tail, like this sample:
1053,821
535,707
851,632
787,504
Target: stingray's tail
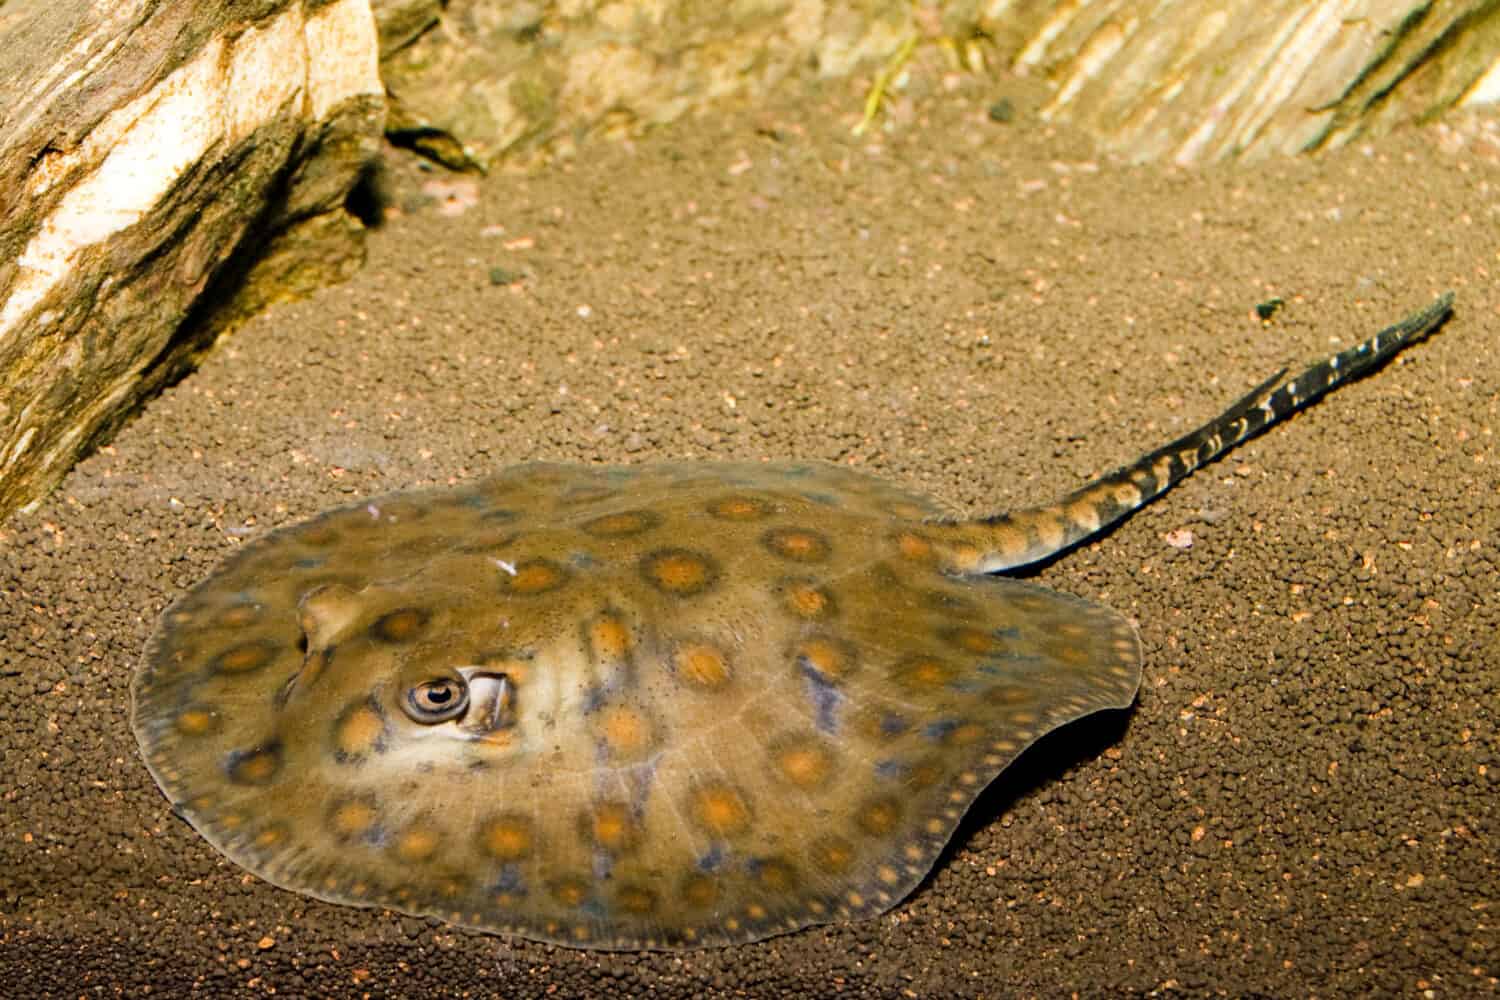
1026,536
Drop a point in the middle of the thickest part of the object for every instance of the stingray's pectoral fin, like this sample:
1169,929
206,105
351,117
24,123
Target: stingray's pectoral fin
1027,536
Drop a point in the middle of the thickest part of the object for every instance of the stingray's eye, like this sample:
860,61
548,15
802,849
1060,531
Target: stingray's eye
437,700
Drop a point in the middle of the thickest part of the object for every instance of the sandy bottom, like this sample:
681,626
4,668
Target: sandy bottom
1304,800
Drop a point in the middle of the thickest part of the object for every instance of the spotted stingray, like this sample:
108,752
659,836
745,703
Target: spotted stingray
658,706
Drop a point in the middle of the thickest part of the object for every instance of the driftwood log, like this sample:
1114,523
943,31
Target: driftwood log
164,169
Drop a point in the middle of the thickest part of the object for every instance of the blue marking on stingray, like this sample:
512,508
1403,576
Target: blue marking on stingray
510,880
713,859
639,777
893,725
890,769
939,730
594,698
825,697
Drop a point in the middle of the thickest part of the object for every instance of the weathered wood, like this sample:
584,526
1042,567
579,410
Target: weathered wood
1191,80
1210,80
163,169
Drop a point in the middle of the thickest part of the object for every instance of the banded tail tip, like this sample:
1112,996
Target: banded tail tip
1018,538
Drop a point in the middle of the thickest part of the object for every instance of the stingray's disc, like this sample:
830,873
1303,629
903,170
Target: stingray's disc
652,707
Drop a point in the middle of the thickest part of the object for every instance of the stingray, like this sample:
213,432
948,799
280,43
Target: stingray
659,706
